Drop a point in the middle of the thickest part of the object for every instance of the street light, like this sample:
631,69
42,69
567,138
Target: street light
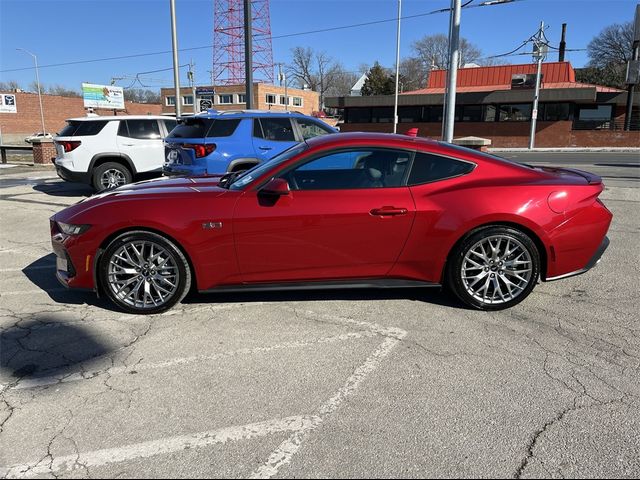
35,59
395,103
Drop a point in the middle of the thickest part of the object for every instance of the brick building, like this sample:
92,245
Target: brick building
232,97
496,103
16,126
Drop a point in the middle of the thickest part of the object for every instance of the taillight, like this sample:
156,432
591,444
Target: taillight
201,150
69,146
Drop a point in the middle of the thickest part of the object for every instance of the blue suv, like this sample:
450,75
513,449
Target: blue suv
220,142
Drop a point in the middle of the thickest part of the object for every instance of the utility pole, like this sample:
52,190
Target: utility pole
176,65
190,76
539,53
452,73
395,103
248,55
35,59
282,78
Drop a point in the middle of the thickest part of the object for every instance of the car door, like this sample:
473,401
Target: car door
141,141
348,215
271,136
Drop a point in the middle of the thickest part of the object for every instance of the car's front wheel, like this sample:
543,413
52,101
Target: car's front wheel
494,268
144,272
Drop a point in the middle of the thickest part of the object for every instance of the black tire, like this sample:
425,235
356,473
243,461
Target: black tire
500,281
110,170
175,268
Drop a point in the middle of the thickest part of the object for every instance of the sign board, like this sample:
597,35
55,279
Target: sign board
205,91
633,72
8,103
102,96
636,25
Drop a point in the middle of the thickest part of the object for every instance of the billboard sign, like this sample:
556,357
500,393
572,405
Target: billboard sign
8,103
102,96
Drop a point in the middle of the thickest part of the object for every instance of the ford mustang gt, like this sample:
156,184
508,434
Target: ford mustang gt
338,211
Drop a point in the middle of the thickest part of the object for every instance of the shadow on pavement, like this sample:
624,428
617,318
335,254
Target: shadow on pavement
64,189
45,345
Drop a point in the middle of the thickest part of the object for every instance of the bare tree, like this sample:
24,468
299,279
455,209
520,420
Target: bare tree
319,72
433,50
141,95
413,74
62,91
612,46
9,86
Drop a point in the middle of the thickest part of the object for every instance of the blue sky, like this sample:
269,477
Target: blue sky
59,31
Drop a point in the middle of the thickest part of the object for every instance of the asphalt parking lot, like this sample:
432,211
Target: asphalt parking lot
318,384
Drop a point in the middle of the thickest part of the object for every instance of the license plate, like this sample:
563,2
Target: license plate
61,264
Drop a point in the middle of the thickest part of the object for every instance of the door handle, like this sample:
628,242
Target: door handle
388,211
266,148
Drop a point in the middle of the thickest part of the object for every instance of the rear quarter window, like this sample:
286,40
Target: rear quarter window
429,168
84,128
223,127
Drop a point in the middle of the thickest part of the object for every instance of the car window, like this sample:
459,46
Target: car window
310,129
191,128
140,129
223,128
170,125
430,168
353,169
84,128
276,129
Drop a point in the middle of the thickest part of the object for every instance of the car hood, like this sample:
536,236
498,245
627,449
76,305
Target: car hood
158,190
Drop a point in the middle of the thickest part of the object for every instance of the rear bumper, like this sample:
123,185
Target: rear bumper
71,176
173,170
592,263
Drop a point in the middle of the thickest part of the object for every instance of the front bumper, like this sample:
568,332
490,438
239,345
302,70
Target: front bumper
592,263
74,260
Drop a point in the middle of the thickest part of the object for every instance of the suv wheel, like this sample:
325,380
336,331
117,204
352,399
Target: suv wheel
110,175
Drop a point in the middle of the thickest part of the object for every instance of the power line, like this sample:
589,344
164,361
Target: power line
190,49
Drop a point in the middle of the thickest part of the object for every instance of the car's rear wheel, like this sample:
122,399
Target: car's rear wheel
143,272
110,175
493,268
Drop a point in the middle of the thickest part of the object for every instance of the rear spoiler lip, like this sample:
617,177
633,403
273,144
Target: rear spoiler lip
591,178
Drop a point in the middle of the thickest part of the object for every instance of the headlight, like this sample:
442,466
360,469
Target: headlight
69,229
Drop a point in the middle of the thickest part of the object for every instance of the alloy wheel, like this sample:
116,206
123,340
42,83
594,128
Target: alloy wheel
143,274
112,178
497,269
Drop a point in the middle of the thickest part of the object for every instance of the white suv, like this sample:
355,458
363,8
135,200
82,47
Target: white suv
107,152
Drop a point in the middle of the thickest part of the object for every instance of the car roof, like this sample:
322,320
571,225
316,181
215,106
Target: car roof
248,114
119,117
374,138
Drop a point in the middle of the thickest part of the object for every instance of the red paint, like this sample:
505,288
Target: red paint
402,232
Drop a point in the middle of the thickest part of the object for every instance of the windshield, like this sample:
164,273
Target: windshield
250,175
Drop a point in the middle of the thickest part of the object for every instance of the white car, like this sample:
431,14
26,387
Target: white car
107,152
36,136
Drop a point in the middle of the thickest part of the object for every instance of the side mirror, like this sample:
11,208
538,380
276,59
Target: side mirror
276,186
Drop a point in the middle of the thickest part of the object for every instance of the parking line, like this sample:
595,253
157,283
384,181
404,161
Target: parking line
20,269
31,292
88,375
283,455
98,458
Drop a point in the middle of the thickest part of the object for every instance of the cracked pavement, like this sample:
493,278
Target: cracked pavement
316,384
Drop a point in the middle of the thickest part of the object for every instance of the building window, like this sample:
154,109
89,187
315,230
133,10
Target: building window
358,115
489,113
271,99
593,117
242,98
297,101
409,114
170,100
553,112
433,114
225,99
284,100
517,112
472,113
382,115
187,100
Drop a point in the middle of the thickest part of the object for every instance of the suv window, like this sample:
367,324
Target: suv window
310,129
170,125
84,128
352,169
276,129
430,168
140,129
204,127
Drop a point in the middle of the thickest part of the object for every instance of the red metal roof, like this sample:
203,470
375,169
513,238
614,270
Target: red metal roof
484,79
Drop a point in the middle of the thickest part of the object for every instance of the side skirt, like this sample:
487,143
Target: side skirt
321,285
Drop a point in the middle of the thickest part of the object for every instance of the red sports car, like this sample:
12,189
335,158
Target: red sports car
341,211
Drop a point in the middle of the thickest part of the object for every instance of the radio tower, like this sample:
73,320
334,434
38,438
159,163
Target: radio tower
228,42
